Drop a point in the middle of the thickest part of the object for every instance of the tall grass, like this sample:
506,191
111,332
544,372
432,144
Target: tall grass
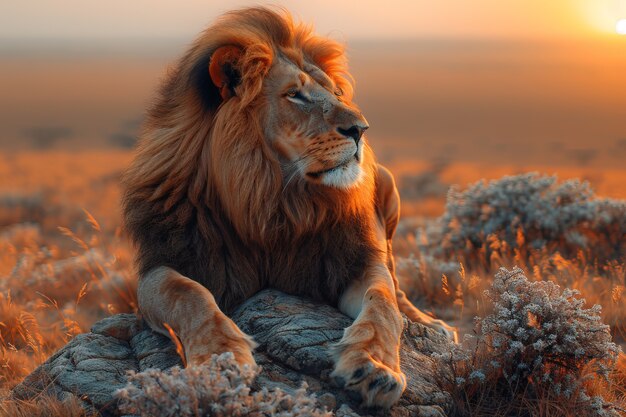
54,283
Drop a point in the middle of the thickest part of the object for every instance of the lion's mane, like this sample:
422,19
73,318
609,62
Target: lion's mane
205,194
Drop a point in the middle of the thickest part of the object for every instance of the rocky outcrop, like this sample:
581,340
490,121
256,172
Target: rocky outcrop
293,336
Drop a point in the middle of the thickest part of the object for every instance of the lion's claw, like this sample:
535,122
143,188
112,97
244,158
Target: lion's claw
378,385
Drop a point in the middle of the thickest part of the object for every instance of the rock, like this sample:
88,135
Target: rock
293,336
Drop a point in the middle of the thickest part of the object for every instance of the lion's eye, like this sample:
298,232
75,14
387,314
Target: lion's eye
338,92
297,95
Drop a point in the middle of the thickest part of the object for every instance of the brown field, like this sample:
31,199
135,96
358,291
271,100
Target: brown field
64,262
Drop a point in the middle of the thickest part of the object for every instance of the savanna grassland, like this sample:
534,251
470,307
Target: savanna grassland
65,263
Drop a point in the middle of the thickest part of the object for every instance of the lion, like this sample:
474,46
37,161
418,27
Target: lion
252,171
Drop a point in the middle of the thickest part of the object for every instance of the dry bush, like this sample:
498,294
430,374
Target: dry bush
218,389
560,233
528,216
540,352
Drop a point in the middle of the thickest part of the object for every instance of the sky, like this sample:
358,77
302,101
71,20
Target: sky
26,20
476,79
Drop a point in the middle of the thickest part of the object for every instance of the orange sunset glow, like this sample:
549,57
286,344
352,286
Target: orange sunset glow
502,123
366,19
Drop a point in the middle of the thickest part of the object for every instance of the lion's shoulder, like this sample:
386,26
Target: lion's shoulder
387,200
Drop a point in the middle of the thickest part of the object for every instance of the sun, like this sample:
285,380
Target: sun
620,27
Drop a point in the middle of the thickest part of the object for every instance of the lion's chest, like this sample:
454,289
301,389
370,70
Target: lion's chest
317,269
319,266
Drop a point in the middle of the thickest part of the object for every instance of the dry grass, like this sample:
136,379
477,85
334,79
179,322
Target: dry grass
44,407
64,264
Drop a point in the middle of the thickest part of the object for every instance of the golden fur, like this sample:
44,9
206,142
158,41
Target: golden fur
251,173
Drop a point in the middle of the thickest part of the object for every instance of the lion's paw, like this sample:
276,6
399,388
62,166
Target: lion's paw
227,338
378,385
244,352
242,355
444,328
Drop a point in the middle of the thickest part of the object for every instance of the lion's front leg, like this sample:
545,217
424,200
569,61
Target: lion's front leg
169,298
367,358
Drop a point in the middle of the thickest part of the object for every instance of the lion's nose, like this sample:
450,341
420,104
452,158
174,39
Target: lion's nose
355,131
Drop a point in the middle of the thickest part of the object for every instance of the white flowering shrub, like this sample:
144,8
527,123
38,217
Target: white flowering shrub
543,333
529,212
218,389
538,341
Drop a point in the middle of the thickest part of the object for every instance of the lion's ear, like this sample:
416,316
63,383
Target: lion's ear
222,69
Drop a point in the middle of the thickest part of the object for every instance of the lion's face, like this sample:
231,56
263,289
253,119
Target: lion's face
317,133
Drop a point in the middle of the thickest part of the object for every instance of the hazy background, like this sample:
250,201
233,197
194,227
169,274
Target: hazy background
518,82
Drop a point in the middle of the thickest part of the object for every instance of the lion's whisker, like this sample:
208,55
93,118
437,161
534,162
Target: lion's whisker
294,171
294,167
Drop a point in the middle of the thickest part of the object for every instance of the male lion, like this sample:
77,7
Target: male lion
252,172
